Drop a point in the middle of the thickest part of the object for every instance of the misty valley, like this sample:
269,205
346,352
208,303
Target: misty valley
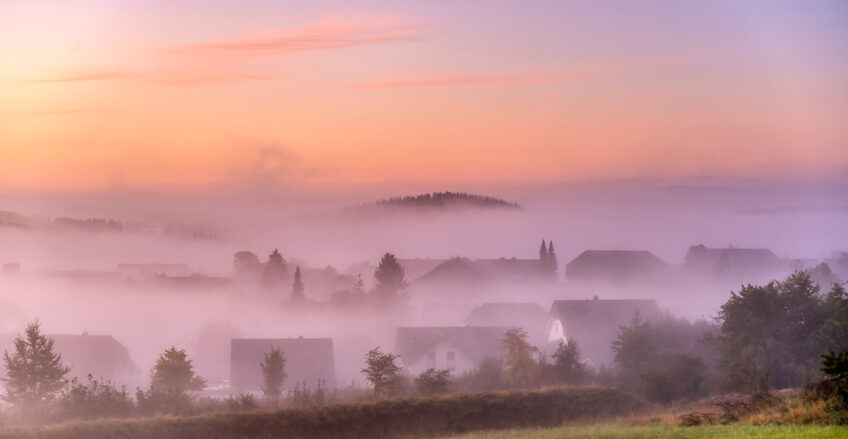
273,332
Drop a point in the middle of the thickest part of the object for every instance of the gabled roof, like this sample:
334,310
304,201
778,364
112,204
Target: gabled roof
154,269
455,271
512,314
596,323
307,359
511,268
698,253
613,264
477,343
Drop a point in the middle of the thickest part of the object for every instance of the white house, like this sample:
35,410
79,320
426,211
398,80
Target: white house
458,349
594,324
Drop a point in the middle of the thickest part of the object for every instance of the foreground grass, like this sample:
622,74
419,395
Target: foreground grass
408,417
611,431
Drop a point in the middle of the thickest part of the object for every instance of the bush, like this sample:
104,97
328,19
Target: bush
93,400
486,378
432,382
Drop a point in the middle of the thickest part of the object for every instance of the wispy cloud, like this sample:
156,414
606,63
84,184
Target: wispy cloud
324,35
204,78
490,80
80,75
512,79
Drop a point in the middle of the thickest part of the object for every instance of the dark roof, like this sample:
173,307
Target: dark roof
455,271
613,265
698,253
307,359
102,356
477,343
155,269
514,314
595,323
511,267
417,267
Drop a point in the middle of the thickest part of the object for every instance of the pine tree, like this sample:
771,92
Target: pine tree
273,374
275,269
174,372
34,372
543,253
390,277
297,287
553,264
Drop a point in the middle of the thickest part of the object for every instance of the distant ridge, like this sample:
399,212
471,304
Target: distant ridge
435,201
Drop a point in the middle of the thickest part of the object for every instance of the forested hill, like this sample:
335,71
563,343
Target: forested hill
435,201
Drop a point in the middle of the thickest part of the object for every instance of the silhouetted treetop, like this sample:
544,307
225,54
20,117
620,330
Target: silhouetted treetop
439,200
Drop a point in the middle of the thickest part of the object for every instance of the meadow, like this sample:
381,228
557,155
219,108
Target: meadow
403,417
623,431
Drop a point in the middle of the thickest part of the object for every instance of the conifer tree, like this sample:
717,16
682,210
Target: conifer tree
553,264
543,253
275,269
297,287
34,371
391,278
273,374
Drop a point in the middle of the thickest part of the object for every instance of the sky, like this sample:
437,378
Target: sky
327,95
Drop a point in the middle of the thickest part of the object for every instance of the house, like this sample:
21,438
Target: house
455,272
144,271
614,266
732,262
526,315
594,324
458,349
417,267
512,268
307,360
194,281
102,356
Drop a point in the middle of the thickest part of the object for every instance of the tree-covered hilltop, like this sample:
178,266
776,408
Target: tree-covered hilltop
438,201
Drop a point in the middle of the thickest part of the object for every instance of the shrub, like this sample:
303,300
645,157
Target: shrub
93,400
432,382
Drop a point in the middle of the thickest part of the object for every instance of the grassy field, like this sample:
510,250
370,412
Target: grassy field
406,417
608,431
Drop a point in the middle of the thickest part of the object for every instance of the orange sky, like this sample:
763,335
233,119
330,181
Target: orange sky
102,94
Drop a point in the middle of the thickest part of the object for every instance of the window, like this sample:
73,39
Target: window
451,360
431,360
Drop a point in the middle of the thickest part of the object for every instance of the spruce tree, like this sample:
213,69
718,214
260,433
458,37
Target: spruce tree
553,264
273,374
34,371
275,269
391,278
543,253
297,287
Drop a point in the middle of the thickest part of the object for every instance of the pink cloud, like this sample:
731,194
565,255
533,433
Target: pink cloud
325,35
512,79
206,78
491,80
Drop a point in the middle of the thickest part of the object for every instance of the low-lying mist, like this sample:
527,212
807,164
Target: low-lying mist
63,277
